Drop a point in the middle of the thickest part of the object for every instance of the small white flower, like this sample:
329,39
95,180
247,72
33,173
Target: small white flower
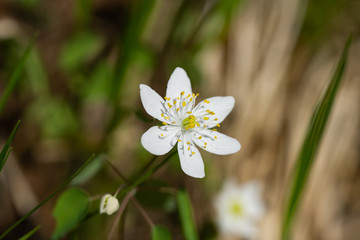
239,208
109,204
186,124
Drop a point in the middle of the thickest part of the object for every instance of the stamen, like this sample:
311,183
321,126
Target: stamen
184,104
218,125
200,137
167,118
169,105
179,140
164,123
193,153
215,137
189,112
162,114
206,101
182,93
215,119
206,118
161,134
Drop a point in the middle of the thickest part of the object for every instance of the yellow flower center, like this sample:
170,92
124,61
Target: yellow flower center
190,122
236,209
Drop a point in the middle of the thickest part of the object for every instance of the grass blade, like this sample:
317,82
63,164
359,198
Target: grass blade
7,149
311,143
186,215
29,234
62,186
16,74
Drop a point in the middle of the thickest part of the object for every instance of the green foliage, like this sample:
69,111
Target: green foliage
70,209
89,171
65,183
15,76
186,215
6,149
160,233
29,234
151,197
312,142
80,49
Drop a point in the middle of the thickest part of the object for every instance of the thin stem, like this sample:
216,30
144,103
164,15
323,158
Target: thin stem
116,170
142,211
146,167
120,212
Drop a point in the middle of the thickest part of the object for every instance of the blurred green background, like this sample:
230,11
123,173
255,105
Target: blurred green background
79,94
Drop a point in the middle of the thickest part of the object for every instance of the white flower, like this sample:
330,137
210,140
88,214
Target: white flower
109,204
185,124
239,208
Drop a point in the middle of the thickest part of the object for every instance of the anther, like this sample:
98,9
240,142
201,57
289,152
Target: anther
206,101
182,93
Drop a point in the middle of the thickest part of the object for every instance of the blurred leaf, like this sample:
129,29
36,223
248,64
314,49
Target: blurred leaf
99,84
29,234
90,170
36,73
160,233
312,142
46,199
55,116
140,115
82,47
6,149
150,196
70,209
186,215
16,74
208,230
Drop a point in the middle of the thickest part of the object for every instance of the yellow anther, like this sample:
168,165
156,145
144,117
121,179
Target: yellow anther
212,113
188,148
161,134
193,153
177,109
191,120
205,126
179,140
193,94
215,119
200,137
208,111
188,143
188,95
204,146
184,104
189,112
174,101
205,143
162,114
196,95
164,123
215,130
197,124
215,137
167,118
192,125
218,125
182,93
206,101
191,99
169,105
173,122
206,118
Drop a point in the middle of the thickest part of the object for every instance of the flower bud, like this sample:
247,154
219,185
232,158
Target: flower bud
109,204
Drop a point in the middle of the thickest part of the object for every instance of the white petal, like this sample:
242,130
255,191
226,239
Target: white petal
191,164
102,203
152,102
178,82
158,144
112,205
221,106
215,142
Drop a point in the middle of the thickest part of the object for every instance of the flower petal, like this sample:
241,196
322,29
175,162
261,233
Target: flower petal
215,142
152,102
102,203
178,82
159,140
221,106
190,160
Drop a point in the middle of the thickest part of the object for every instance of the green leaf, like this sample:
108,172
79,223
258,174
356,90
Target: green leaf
6,149
186,215
46,199
79,49
70,209
149,195
15,76
29,234
160,233
90,170
312,142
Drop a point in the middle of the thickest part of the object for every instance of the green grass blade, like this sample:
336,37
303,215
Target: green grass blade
16,74
311,143
29,234
7,149
160,233
186,215
62,186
